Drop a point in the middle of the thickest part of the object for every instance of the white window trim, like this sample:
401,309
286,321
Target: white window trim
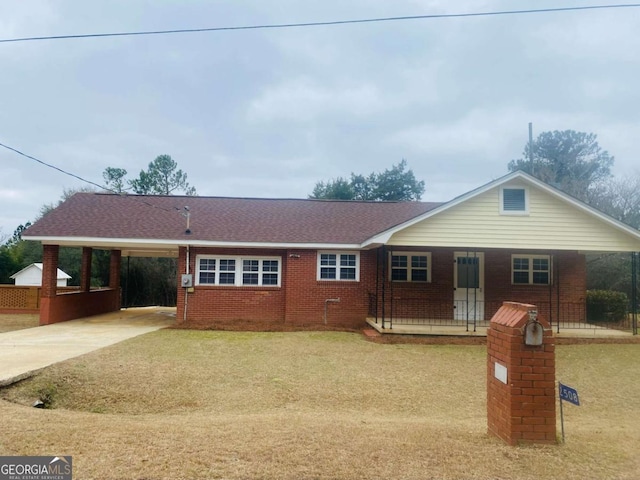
319,266
238,270
409,269
531,257
514,212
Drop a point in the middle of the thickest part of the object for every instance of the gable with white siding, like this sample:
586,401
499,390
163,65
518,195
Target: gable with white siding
31,275
553,221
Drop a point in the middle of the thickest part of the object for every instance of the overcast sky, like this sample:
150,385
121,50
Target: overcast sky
268,113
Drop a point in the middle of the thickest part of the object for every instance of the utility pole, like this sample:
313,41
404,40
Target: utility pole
531,147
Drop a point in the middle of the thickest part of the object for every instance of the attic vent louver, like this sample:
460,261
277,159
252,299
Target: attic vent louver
514,200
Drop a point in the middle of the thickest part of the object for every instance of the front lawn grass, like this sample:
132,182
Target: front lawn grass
192,404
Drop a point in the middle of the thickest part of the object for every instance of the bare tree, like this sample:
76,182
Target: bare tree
619,198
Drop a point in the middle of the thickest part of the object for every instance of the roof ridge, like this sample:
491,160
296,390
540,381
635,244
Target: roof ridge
285,199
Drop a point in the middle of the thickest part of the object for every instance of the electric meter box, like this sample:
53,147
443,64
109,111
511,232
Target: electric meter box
187,280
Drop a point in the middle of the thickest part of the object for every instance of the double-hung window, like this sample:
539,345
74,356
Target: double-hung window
530,269
207,268
227,271
243,271
410,266
260,272
343,266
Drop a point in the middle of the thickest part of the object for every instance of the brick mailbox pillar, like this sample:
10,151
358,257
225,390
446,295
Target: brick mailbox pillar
521,398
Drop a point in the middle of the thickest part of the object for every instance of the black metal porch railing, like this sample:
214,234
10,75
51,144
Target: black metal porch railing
418,311
373,306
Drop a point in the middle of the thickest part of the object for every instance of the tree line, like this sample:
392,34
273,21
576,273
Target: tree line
144,281
571,161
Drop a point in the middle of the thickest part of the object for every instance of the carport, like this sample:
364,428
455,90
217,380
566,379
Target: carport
137,227
62,305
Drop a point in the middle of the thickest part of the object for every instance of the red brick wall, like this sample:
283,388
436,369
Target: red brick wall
68,306
435,300
568,289
49,270
298,303
523,409
224,307
306,296
432,300
85,269
115,266
300,300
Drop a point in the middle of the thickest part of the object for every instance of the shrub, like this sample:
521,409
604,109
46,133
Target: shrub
606,306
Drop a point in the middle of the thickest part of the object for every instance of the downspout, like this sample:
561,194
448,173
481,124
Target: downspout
187,215
186,290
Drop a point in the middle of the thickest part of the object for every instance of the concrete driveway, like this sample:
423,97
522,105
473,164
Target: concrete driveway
24,352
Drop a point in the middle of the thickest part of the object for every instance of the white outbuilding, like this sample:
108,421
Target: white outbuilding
32,276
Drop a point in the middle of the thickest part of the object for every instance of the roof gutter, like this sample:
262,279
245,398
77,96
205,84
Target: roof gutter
131,243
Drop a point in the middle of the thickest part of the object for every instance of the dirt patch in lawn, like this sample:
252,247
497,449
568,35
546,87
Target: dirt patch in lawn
19,321
199,404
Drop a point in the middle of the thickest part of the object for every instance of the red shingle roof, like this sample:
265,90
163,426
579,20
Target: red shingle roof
215,219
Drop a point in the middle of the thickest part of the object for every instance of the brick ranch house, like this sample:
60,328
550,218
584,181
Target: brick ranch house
281,263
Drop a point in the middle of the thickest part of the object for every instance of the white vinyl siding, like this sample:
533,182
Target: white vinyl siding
552,224
243,271
339,266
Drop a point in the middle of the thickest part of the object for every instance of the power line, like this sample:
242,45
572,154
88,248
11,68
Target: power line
15,150
102,187
319,24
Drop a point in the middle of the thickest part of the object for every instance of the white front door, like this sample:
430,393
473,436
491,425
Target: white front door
468,282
